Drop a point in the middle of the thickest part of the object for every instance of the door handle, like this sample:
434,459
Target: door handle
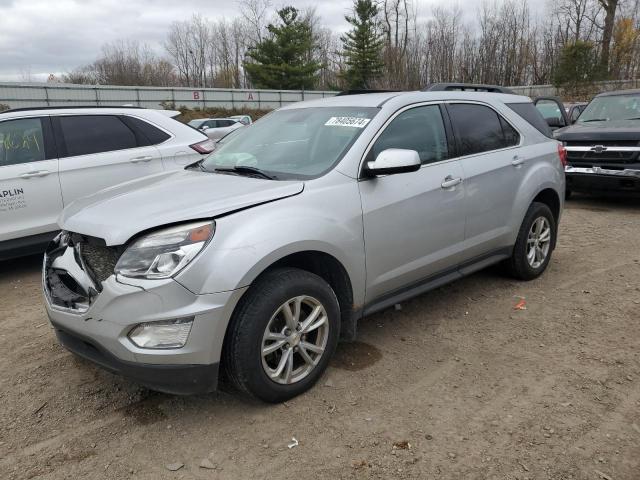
450,182
517,161
143,159
38,173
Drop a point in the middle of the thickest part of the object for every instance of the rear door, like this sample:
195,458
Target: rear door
98,151
493,169
30,199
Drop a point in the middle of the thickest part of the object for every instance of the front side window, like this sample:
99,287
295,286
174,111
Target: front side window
90,134
298,143
420,129
21,141
480,129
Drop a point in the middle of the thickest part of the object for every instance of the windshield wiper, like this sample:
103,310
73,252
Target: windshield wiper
634,118
199,165
594,120
246,169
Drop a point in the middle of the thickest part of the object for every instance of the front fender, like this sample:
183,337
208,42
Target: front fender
326,218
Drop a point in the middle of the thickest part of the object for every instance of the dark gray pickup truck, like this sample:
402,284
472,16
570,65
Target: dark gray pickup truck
603,146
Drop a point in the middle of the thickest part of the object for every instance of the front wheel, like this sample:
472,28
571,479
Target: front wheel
282,335
535,242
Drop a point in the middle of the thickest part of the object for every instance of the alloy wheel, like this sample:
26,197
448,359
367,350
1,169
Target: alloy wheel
538,242
295,340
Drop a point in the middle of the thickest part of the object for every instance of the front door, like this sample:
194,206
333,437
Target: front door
413,222
30,199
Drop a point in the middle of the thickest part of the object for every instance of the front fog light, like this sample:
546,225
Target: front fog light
167,334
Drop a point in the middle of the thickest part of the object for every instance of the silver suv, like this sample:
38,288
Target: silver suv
255,261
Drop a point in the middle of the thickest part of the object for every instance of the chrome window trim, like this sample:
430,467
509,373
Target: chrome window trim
440,102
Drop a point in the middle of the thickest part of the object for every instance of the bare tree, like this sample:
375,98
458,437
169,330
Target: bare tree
610,7
255,13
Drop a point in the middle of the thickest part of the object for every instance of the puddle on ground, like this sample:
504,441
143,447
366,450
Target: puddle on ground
146,410
355,356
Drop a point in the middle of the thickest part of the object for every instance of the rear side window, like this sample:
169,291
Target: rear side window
532,115
420,129
147,134
480,129
21,141
88,134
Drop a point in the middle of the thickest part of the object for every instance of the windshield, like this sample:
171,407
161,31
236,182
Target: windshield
196,123
615,107
299,143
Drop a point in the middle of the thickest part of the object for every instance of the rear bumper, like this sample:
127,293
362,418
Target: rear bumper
182,379
596,180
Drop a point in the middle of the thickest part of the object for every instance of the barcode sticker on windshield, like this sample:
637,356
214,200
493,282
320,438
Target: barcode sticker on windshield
347,122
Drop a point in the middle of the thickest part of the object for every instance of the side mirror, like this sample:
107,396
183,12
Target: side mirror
394,160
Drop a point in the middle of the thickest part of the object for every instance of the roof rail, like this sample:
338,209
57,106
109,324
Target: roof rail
363,91
467,87
65,107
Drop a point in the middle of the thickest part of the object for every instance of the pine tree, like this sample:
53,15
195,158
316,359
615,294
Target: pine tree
363,46
577,64
281,61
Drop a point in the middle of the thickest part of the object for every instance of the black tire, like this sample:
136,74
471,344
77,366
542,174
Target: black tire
242,350
567,194
518,265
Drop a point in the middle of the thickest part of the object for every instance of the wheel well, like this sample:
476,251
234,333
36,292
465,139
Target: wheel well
334,273
550,198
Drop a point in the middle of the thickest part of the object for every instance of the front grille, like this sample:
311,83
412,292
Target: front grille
604,143
100,259
609,157
593,157
74,269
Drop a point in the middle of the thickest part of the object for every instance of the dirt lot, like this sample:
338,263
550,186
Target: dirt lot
462,384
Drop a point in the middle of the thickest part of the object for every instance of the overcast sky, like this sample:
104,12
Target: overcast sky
38,37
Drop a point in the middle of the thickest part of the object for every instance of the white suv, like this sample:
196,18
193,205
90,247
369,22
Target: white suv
50,157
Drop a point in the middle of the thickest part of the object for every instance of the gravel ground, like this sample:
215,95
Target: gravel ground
457,384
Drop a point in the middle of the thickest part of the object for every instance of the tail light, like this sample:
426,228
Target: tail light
562,153
205,147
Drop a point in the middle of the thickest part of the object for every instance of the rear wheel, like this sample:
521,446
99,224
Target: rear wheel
282,335
535,243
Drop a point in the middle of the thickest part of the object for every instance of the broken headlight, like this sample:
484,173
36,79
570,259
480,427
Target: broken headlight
163,253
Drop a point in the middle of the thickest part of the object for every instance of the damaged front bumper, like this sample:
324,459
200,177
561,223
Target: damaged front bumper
603,180
93,318
627,172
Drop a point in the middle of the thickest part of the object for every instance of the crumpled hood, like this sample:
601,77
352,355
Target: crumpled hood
628,130
120,212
